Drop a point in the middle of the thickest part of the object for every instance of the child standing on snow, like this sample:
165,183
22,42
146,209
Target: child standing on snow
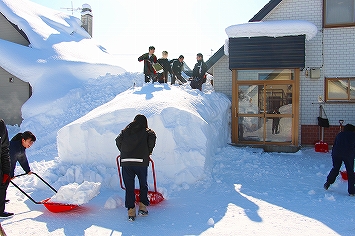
199,73
149,58
136,143
165,63
343,151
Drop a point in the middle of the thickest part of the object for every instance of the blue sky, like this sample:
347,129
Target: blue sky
179,27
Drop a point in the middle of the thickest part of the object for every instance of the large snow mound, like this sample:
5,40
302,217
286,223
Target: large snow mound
189,126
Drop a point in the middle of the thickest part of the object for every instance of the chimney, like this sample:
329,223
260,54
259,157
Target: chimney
86,18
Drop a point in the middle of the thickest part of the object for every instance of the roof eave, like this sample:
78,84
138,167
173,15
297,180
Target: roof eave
265,10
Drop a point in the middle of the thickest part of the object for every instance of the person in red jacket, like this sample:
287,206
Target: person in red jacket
5,169
136,142
149,58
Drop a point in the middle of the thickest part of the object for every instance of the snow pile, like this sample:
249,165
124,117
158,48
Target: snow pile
189,126
76,194
275,28
60,61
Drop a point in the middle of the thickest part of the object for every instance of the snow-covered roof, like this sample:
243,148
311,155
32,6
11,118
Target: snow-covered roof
277,28
39,22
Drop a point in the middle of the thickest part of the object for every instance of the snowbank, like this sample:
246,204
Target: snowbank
189,125
275,28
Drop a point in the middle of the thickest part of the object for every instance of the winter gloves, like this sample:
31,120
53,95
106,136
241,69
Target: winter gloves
5,178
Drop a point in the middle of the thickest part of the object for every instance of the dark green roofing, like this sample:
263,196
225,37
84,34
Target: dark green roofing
215,57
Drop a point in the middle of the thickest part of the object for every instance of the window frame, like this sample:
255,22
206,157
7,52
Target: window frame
347,100
350,24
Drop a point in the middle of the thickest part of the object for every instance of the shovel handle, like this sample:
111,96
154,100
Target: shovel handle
120,175
54,190
26,193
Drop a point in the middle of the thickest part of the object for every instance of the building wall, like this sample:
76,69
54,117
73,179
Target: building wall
222,77
332,50
9,33
13,94
13,91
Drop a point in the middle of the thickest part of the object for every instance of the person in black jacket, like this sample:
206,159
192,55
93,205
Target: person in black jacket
148,70
343,151
178,66
199,73
18,145
165,63
5,169
136,142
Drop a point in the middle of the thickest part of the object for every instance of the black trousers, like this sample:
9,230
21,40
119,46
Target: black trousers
334,172
128,174
179,77
3,188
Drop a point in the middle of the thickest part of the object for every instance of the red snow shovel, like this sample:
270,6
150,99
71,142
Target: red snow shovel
344,175
154,196
51,206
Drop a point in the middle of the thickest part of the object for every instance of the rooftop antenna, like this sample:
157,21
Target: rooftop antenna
72,9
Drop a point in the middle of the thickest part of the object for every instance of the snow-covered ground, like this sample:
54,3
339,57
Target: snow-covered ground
82,99
245,192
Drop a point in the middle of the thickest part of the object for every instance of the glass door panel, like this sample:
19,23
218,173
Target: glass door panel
265,112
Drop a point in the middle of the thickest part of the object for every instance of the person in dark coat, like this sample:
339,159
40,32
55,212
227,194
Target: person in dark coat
178,66
275,122
165,63
136,142
199,73
18,145
343,151
149,58
5,169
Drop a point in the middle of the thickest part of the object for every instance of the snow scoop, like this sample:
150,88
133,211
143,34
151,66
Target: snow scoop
154,196
51,206
344,175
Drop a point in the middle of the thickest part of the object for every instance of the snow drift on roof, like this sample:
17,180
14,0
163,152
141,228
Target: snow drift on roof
273,29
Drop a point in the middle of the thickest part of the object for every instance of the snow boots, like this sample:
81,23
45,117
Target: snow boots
132,214
142,210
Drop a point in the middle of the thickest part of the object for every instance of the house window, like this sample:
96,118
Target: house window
340,89
338,13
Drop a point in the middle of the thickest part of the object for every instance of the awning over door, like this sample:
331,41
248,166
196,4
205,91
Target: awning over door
267,52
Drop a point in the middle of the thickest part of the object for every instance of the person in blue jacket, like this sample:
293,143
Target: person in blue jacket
18,145
343,151
136,142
